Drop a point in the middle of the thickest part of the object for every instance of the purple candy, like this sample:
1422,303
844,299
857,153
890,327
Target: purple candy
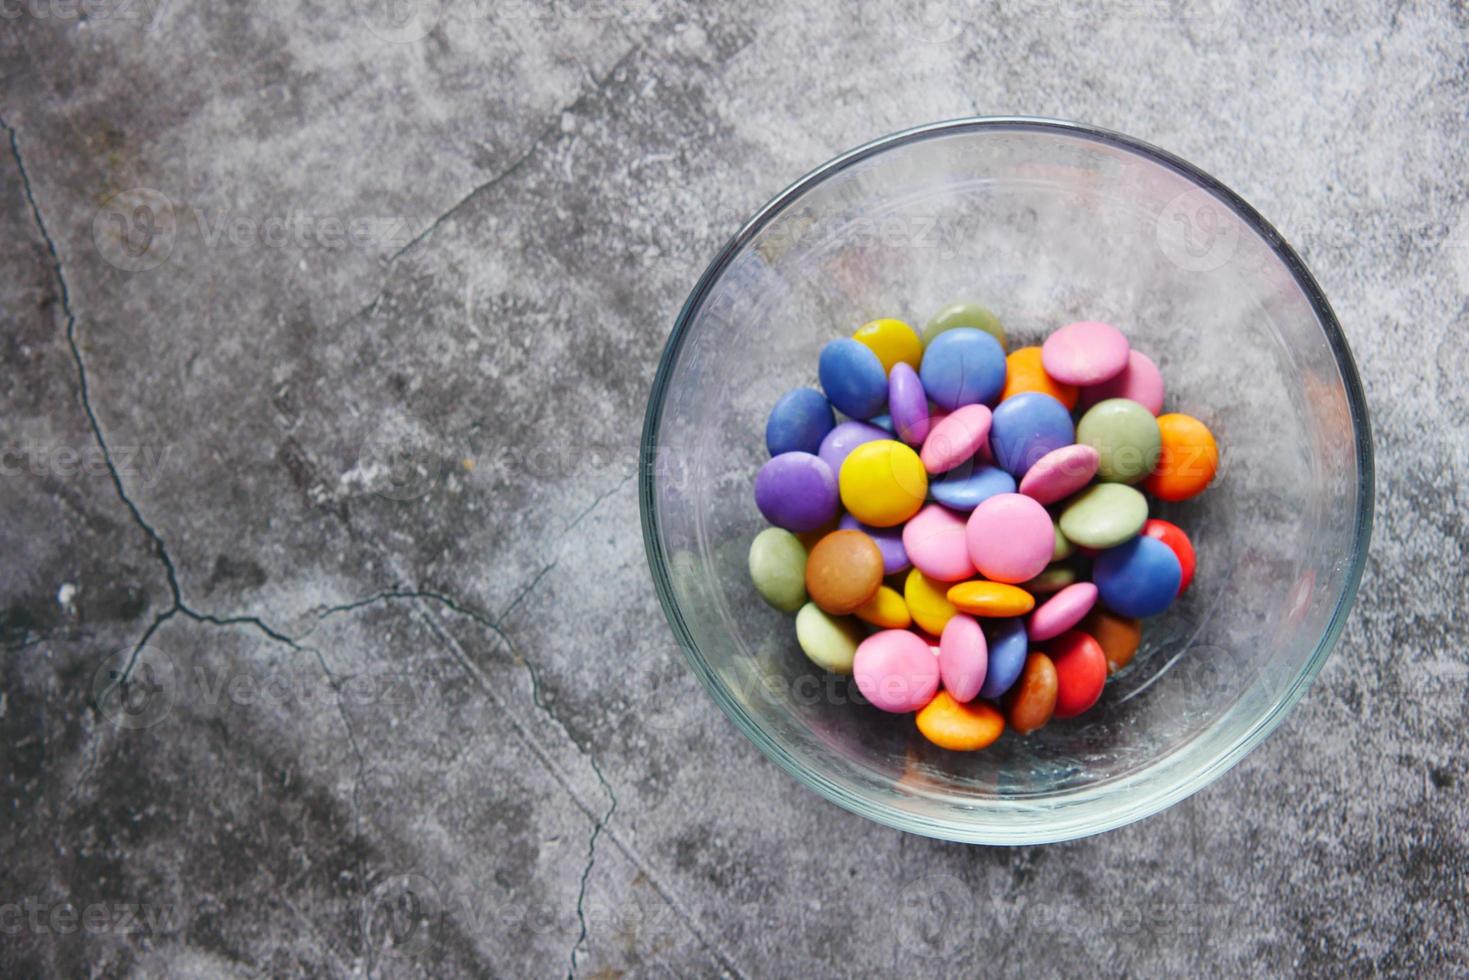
796,491
908,404
844,438
889,541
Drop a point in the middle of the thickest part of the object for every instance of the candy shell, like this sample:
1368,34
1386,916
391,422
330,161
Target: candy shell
1010,538
1172,535
1104,516
798,492
896,671
1139,578
1081,671
847,436
1060,473
883,483
947,723
1118,636
936,544
885,610
883,422
808,539
893,341
963,657
1026,428
1007,646
1063,547
928,602
964,315
956,438
991,599
799,422
961,490
829,642
1085,353
889,541
1032,701
853,378
1024,372
1140,381
963,366
843,571
1062,611
1053,579
778,568
1188,460
1126,437
908,404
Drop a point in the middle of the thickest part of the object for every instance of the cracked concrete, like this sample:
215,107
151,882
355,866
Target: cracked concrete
358,318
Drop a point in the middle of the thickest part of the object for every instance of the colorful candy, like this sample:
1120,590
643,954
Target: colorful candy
942,471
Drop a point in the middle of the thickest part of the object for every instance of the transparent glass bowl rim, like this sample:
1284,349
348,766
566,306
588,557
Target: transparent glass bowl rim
1139,796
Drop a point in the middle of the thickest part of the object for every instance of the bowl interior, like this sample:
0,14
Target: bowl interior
1043,223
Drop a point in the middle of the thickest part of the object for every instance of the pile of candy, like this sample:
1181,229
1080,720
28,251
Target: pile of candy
924,515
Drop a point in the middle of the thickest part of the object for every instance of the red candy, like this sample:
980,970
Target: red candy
1081,670
1172,535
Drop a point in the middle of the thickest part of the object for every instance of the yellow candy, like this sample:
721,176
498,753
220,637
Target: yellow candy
892,341
991,599
883,483
930,608
885,609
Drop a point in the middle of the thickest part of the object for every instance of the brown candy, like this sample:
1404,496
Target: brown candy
1030,703
1118,636
843,571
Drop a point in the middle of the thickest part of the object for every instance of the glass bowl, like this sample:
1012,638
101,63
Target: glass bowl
1043,222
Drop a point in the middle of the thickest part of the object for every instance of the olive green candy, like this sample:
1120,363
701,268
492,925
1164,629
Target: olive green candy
964,315
1126,436
829,642
1063,548
1104,515
778,568
1053,579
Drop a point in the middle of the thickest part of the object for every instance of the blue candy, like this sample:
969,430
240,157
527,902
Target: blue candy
853,378
798,422
963,366
1027,426
1139,578
1008,645
962,490
883,421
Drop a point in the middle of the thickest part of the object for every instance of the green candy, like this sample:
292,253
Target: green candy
1104,515
1127,437
778,568
829,642
1063,547
964,315
1053,579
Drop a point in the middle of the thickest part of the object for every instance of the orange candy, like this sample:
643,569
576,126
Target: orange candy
991,599
1030,703
960,727
1117,635
1023,372
843,571
1188,461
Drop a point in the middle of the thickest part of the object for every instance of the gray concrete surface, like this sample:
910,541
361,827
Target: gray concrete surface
371,382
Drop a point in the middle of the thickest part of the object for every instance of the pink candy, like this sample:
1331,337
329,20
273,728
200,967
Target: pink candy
1140,381
936,544
1062,611
1085,353
896,670
956,438
1010,538
963,658
1060,473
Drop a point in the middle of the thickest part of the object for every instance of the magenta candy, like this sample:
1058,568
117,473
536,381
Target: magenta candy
1085,353
936,544
908,405
1140,381
956,439
889,541
896,671
1010,538
1060,473
963,658
847,436
1062,611
796,491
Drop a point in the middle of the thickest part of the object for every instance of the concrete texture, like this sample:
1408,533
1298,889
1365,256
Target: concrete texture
363,301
